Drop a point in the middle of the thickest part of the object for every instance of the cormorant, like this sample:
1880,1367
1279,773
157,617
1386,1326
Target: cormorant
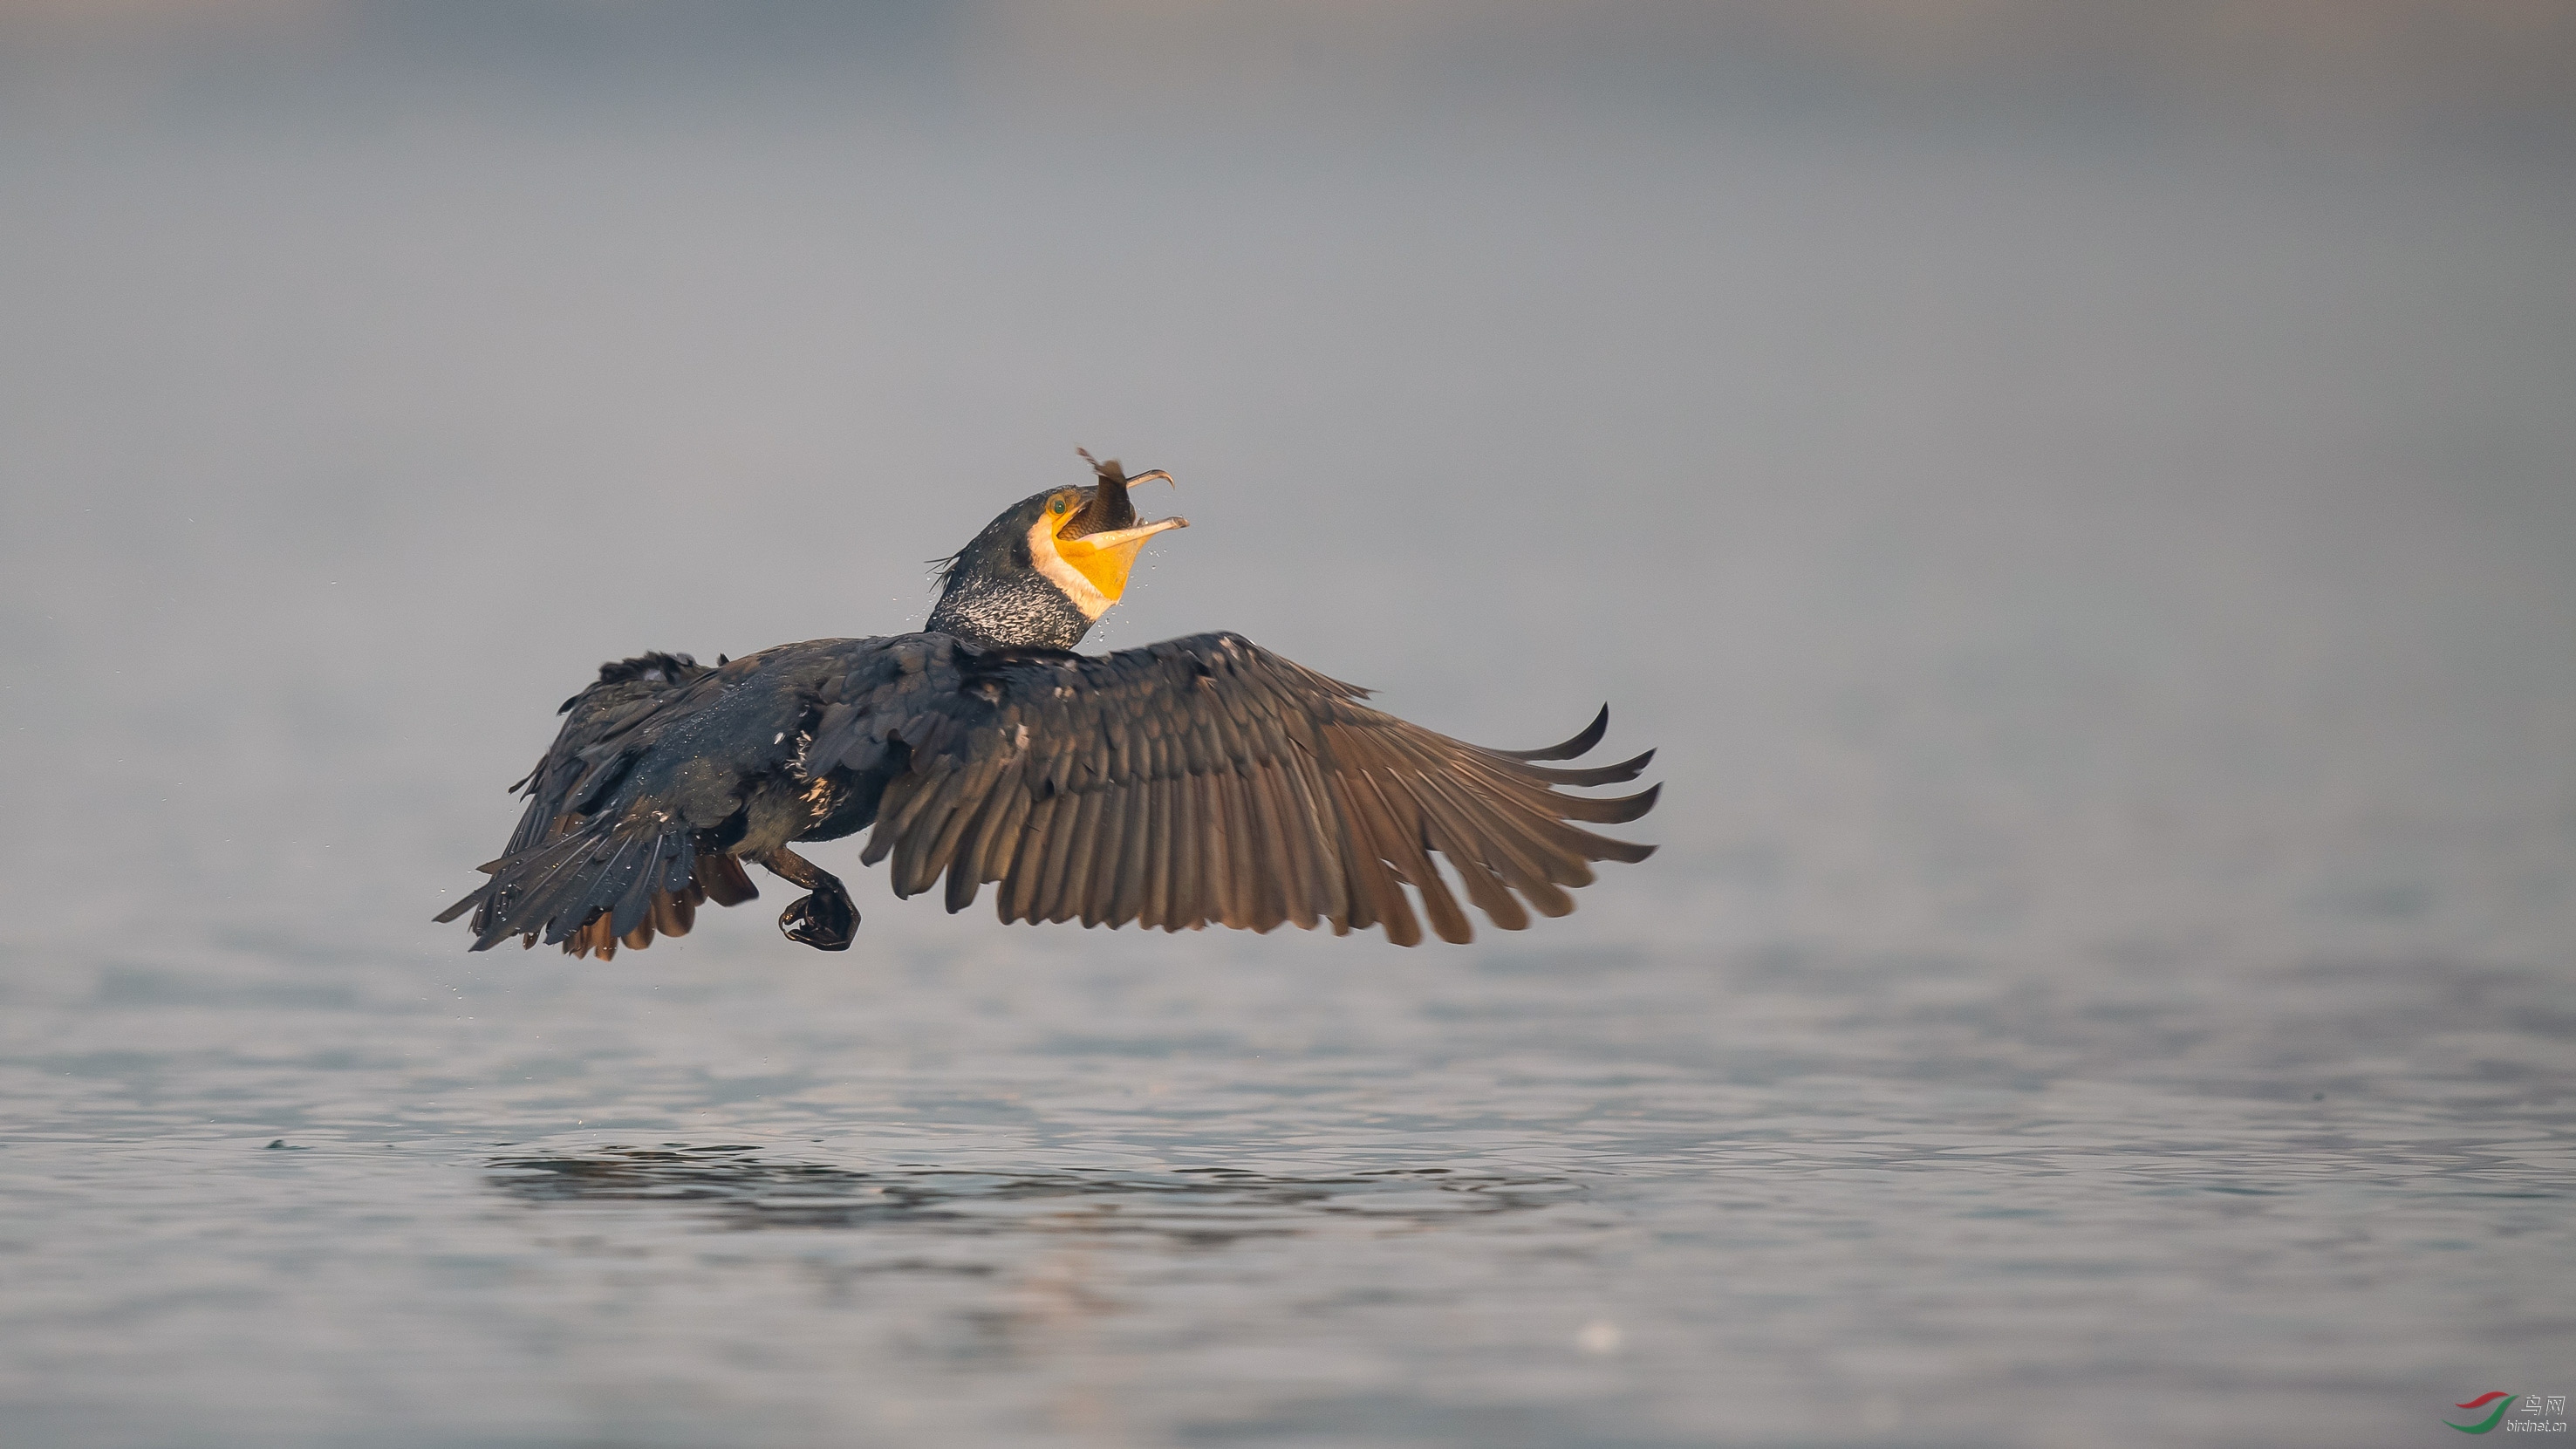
1196,781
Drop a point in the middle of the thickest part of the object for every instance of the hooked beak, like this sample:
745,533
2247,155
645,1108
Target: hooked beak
1102,538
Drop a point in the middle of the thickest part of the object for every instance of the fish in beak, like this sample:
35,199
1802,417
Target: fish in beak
1101,539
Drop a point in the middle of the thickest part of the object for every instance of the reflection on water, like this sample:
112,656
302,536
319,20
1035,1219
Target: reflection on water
736,1188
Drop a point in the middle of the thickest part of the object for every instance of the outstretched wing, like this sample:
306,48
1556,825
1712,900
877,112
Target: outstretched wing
1206,780
590,865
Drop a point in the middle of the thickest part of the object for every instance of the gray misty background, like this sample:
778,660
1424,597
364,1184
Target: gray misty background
2083,496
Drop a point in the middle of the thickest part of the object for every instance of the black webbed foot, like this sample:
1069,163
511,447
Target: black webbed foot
824,920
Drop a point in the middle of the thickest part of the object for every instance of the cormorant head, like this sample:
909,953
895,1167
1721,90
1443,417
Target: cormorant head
1043,573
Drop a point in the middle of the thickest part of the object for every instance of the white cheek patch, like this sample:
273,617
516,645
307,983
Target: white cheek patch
1067,579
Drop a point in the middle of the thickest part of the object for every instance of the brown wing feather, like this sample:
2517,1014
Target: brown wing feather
1206,780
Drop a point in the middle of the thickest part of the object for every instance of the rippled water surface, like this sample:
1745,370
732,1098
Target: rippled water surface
1583,1197
2105,608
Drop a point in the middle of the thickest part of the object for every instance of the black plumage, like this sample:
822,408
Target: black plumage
1198,781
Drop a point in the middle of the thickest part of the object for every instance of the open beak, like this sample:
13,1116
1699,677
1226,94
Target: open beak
1105,558
1102,537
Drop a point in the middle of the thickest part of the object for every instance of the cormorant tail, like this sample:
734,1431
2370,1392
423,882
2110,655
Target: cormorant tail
595,888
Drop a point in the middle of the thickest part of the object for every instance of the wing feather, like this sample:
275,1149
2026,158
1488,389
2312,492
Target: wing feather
1154,904
1242,879
1185,910
1018,898
1002,838
1097,892
1274,882
1573,749
1069,856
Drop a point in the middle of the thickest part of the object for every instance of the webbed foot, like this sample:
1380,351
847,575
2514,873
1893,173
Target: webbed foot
824,920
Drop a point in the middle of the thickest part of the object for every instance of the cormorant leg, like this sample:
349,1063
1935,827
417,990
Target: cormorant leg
824,920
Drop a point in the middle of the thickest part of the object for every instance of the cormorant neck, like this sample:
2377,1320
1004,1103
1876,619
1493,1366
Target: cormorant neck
1022,612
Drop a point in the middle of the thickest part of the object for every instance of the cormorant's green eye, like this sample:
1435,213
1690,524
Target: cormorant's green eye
1059,505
